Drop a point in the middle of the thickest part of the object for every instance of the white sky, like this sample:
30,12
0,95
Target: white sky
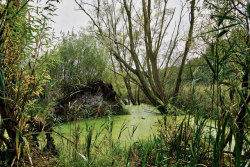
68,17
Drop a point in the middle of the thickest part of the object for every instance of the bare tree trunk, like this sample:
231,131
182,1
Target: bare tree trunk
138,95
129,90
123,34
187,47
115,76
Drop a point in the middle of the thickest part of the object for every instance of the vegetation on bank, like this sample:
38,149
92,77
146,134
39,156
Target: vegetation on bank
130,48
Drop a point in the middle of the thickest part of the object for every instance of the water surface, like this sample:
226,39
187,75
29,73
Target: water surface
141,123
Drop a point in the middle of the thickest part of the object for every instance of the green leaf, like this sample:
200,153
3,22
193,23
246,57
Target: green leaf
196,71
224,17
222,33
221,18
26,143
248,9
217,29
243,100
2,82
209,63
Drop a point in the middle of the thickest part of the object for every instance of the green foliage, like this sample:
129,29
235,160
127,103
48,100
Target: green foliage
203,74
24,70
228,59
82,58
248,9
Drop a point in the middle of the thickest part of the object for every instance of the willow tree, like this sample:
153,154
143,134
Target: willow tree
187,47
147,32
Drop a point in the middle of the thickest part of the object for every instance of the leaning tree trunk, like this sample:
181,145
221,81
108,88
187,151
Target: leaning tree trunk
187,47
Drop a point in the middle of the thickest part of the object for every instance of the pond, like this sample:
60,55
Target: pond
141,123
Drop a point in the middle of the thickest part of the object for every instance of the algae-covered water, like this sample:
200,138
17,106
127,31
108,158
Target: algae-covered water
141,123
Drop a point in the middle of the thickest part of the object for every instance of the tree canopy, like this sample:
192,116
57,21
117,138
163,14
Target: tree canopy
81,58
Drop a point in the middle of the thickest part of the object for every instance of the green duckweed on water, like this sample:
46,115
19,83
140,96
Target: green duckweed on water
141,123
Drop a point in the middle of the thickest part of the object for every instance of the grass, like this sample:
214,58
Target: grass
91,148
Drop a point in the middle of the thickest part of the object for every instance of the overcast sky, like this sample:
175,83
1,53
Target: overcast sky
68,17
